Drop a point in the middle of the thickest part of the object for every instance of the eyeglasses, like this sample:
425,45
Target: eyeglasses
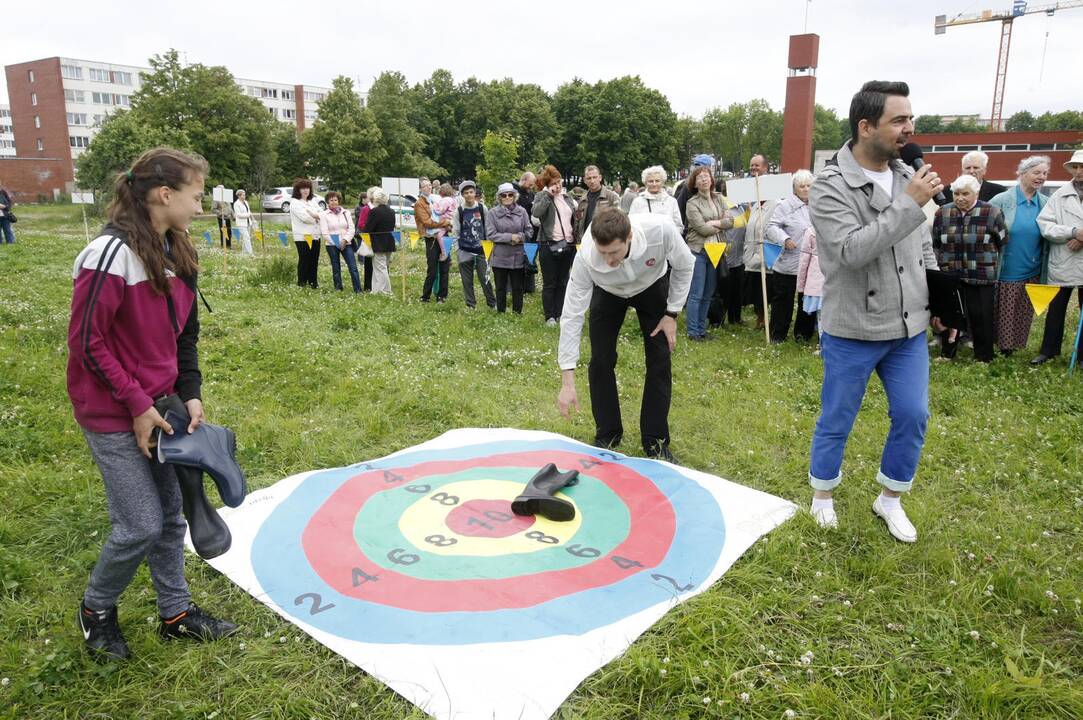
507,194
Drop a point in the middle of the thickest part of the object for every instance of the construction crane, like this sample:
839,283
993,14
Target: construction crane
1019,9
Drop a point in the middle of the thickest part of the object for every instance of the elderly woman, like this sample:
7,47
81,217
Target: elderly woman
1061,223
708,219
6,203
243,216
554,211
655,199
380,224
305,223
336,226
1021,259
968,235
787,227
508,226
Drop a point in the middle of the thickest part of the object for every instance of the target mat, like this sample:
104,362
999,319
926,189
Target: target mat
414,568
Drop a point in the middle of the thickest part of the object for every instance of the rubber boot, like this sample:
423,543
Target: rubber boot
210,534
540,495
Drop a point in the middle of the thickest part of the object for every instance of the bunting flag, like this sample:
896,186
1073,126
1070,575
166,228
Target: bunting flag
487,246
308,241
740,221
1041,295
367,239
282,238
531,250
336,240
770,254
207,237
258,234
447,241
414,568
1075,345
237,234
715,250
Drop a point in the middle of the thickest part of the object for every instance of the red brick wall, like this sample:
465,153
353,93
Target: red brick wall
50,109
30,178
1002,163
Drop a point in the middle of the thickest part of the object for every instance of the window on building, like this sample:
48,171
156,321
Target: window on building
992,148
33,99
966,148
314,96
7,143
1042,146
269,92
287,94
289,114
30,75
76,96
122,78
5,129
99,75
76,118
71,72
943,148
37,121
273,112
78,141
5,113
41,145
1015,147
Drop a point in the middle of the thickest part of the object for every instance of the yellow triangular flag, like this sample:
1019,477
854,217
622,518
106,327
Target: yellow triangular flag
1041,296
487,246
715,251
259,236
367,239
308,239
413,240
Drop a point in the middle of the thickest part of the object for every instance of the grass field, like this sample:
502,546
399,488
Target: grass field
980,619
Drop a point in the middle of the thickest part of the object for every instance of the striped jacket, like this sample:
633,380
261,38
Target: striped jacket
127,345
968,244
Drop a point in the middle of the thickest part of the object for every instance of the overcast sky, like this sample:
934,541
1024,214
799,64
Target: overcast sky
699,53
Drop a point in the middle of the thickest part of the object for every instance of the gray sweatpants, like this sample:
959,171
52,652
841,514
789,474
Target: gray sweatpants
145,512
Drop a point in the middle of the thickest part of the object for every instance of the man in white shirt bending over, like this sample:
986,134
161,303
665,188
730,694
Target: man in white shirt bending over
622,263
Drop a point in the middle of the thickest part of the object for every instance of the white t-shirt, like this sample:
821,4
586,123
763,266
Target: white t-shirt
883,178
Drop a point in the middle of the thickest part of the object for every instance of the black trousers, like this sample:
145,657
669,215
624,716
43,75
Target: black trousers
607,313
555,268
979,302
225,230
1053,337
530,275
753,294
433,265
308,263
367,286
780,294
730,293
514,278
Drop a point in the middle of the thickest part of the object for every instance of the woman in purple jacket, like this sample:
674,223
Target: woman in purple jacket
131,341
508,226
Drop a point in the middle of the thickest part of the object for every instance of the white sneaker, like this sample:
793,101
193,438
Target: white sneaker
551,322
898,524
826,518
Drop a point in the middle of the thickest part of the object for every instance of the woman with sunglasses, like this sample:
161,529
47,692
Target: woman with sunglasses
508,226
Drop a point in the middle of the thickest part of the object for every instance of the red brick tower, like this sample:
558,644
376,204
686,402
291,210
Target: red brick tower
800,102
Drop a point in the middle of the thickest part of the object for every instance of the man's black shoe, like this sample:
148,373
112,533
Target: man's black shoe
101,634
195,624
1040,359
611,444
660,451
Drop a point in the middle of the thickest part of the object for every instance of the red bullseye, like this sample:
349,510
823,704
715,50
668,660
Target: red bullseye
486,518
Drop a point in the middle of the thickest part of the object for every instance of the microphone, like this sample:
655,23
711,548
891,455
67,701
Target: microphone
912,155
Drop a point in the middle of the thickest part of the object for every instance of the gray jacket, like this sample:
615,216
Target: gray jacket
788,222
874,251
500,224
757,224
544,212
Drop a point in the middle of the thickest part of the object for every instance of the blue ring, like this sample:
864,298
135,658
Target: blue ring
283,571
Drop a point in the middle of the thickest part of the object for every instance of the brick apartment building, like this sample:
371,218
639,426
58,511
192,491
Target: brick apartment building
56,105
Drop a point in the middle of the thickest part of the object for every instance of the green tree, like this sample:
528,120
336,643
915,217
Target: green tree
724,135
403,145
829,131
499,153
1067,120
435,111
928,124
763,133
205,103
572,107
121,138
689,140
964,125
1020,122
343,145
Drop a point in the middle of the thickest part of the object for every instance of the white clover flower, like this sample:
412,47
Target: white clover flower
242,646
665,660
1051,595
706,700
663,672
952,583
282,638
847,603
789,714
706,663
974,635
744,697
695,680
5,682
806,659
838,673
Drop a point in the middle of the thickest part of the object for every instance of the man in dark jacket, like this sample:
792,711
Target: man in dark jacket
598,197
526,190
975,163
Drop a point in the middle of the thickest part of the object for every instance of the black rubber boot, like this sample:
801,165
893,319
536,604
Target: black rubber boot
210,534
540,495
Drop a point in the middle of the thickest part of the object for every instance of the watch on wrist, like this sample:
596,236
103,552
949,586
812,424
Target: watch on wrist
672,314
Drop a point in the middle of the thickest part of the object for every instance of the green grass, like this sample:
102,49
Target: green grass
322,379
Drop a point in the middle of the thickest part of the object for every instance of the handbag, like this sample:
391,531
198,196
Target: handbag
11,217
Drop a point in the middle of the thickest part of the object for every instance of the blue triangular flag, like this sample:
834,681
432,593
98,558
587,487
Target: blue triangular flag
448,239
771,253
336,239
282,238
207,237
397,234
531,250
236,233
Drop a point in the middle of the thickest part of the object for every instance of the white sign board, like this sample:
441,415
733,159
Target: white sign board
401,186
82,198
772,187
222,194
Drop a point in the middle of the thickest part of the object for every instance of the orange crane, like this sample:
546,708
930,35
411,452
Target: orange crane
1019,9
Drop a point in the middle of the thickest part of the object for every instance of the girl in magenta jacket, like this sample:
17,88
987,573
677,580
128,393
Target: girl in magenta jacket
131,341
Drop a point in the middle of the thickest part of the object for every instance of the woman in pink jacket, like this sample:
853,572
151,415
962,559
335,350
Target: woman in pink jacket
810,279
336,226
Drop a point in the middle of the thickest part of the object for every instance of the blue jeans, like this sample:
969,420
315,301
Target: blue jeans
704,279
351,264
7,230
903,367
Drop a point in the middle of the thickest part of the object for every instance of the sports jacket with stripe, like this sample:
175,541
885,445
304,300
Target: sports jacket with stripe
127,345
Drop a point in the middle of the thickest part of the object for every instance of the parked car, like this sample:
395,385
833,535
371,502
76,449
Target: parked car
403,205
279,199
